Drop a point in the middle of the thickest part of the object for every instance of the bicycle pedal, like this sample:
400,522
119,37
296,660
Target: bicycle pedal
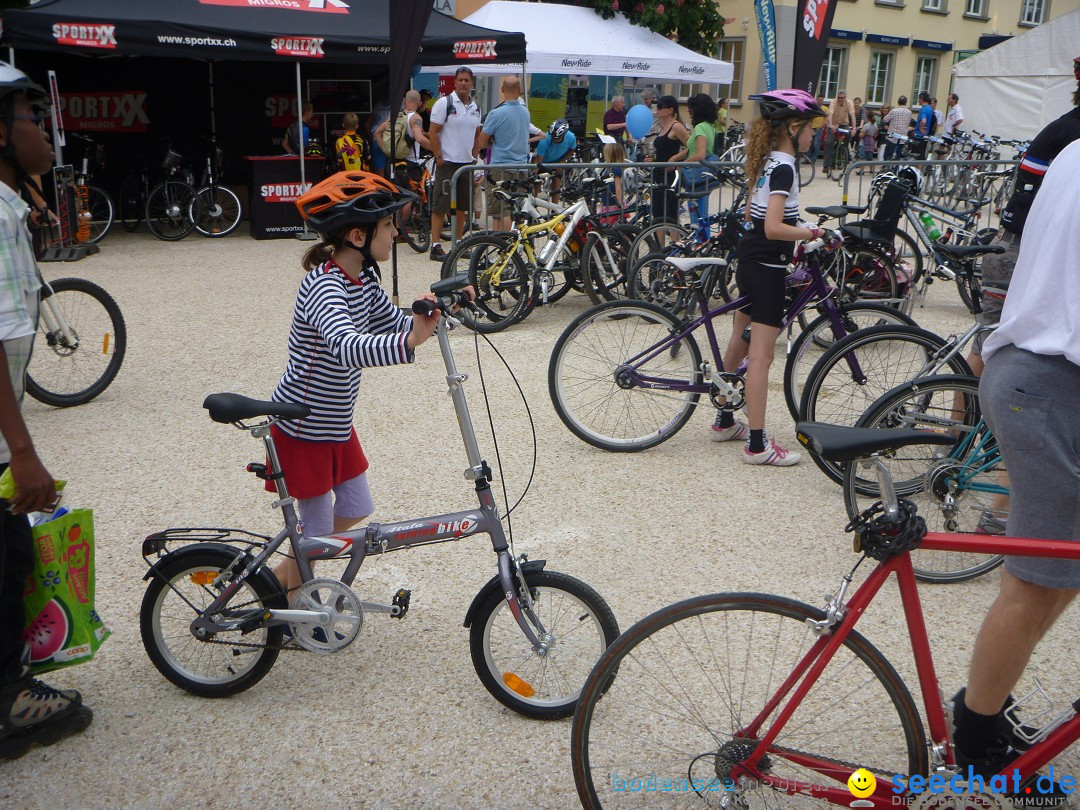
400,604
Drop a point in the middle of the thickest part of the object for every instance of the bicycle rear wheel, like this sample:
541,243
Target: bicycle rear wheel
220,211
590,376
680,723
605,269
807,169
100,210
417,228
657,281
655,238
63,373
172,209
955,488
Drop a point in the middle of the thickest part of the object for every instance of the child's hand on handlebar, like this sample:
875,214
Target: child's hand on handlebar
423,326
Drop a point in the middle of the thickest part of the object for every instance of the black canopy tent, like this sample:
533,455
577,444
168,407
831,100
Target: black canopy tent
346,31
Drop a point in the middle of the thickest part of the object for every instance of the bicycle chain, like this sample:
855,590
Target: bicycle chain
288,647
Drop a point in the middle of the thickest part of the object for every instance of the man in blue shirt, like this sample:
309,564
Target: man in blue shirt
924,126
506,131
556,147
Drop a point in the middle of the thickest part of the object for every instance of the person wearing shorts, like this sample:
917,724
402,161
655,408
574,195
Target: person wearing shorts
343,322
1029,392
764,252
455,125
506,131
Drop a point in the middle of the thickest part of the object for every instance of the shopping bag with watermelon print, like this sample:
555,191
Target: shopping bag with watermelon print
62,626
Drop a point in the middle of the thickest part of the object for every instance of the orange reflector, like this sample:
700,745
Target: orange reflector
203,577
105,345
516,684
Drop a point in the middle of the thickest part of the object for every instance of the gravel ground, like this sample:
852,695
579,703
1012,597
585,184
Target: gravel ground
399,719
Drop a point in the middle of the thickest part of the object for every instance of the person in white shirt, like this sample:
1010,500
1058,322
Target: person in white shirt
455,126
1028,393
954,117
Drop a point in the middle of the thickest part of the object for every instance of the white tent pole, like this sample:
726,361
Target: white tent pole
305,234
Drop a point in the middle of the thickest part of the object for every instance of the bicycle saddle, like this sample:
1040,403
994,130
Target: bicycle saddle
961,252
688,263
229,408
837,443
833,211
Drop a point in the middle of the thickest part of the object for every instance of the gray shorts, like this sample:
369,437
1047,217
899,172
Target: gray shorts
497,207
1029,401
440,194
996,267
349,499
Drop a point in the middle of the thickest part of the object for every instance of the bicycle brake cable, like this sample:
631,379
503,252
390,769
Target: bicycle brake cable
491,424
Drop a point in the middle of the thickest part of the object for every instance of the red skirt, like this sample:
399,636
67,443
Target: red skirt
314,468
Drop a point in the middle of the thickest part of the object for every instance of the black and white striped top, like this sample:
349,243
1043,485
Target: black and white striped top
339,328
777,177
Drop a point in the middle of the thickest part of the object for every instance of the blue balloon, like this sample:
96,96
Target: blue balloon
638,121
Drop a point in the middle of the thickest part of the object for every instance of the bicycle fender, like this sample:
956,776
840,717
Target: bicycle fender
494,586
264,573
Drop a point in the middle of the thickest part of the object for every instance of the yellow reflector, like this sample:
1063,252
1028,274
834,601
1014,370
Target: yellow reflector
105,345
516,684
203,578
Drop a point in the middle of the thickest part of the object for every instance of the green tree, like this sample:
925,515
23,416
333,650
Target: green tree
694,24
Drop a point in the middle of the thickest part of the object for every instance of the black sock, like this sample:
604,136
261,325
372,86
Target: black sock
725,419
974,732
757,441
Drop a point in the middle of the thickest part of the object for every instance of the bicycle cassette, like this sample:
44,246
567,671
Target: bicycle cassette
340,616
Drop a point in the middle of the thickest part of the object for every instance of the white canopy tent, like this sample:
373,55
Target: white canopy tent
1020,85
570,39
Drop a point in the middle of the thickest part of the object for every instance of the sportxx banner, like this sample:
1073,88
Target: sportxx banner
813,19
105,111
766,26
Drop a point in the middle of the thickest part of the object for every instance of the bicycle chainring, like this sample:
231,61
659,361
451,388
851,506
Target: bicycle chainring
727,391
342,615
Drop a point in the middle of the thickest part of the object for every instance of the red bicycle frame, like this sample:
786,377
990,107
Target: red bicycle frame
813,663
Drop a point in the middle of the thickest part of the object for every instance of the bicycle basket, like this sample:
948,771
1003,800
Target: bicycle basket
172,160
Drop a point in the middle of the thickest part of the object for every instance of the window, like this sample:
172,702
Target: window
877,88
1033,12
832,72
975,8
925,75
734,51
934,5
688,90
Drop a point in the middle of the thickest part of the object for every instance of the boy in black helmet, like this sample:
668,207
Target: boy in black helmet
30,711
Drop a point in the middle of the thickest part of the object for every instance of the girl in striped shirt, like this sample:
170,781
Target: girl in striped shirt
343,322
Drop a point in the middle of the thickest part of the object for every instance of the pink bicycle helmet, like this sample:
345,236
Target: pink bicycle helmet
779,105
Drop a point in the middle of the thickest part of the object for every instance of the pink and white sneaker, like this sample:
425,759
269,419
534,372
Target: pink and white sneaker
739,431
773,455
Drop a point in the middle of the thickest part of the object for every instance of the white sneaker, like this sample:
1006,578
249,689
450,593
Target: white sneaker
773,455
739,430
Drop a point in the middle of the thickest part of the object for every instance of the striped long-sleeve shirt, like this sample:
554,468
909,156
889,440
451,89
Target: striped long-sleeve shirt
339,328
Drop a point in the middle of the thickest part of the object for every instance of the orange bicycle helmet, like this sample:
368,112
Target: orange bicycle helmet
349,199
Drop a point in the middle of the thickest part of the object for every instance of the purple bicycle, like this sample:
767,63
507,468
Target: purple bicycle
626,375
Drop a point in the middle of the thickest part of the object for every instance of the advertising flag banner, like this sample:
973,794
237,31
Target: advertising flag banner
766,25
812,23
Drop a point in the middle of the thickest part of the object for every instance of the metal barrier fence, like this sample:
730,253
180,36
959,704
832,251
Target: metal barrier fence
716,198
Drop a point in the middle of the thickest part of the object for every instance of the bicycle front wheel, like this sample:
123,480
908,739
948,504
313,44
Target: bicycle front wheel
605,265
680,723
851,375
500,277
820,335
172,209
963,488
579,626
417,227
595,365
210,667
74,367
100,210
220,211
807,169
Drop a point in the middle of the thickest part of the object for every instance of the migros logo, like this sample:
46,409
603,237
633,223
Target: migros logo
311,47
814,17
85,36
475,49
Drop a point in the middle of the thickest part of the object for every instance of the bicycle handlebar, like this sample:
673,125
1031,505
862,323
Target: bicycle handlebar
443,303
